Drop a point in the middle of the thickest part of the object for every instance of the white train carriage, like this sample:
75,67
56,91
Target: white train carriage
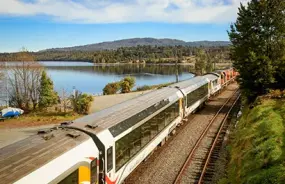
195,93
131,130
214,83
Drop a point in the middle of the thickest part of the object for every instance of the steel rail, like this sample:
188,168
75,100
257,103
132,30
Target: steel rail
215,142
180,174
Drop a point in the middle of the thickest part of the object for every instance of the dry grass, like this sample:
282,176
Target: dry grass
38,119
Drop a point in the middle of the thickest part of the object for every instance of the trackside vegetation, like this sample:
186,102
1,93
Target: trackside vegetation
257,148
258,46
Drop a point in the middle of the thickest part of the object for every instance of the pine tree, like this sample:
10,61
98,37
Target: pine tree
48,96
258,46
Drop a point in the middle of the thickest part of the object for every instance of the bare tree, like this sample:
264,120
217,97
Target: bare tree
64,100
24,81
4,100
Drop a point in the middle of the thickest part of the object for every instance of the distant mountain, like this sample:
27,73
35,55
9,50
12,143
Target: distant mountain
139,41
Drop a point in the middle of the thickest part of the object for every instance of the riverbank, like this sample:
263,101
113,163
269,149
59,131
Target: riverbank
257,145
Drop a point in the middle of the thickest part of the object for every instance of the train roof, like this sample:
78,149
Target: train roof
23,157
188,86
120,117
211,76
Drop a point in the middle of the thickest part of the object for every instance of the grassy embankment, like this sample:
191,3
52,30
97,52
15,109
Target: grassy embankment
257,148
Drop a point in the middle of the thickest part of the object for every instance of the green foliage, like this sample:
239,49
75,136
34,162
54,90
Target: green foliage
144,88
201,60
127,84
47,96
81,102
257,151
258,49
111,88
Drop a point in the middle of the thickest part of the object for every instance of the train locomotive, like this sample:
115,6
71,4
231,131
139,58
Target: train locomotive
106,146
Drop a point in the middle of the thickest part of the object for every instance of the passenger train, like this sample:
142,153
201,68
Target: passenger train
105,147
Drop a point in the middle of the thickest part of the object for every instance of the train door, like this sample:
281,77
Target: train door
94,171
83,173
182,104
110,165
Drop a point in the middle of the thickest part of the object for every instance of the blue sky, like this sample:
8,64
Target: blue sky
41,24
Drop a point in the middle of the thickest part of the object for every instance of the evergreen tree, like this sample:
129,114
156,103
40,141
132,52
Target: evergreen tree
48,96
258,46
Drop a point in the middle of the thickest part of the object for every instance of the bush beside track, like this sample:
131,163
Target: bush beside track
257,150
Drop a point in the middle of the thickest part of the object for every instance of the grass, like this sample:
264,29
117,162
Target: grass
257,149
150,87
38,119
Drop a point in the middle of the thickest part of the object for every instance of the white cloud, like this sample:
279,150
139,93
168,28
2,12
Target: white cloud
117,11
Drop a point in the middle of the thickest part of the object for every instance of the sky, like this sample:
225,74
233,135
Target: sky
42,24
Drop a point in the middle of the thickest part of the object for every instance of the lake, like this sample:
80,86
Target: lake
92,78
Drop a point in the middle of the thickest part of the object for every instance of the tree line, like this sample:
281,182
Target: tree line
147,54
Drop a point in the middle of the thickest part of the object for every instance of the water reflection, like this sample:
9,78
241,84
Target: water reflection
91,78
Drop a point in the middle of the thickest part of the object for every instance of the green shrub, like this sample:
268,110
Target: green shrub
81,102
144,88
111,88
127,84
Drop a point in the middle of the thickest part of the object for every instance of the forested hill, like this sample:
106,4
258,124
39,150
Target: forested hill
140,41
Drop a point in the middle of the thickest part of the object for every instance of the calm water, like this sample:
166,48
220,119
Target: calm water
92,78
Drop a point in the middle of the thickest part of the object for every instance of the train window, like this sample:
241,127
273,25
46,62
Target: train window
132,143
71,179
109,158
124,125
94,171
196,95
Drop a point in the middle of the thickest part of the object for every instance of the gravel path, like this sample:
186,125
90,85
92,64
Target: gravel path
163,166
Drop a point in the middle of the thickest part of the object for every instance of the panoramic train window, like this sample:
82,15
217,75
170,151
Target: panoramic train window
196,95
124,125
132,143
71,179
109,158
94,171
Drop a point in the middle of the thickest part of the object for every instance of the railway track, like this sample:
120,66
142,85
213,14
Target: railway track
199,166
